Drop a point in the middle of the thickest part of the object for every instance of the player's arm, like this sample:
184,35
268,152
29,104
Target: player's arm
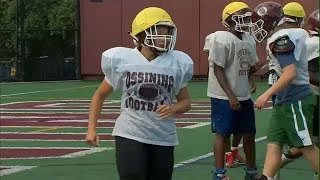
252,71
283,49
95,109
313,68
222,80
182,105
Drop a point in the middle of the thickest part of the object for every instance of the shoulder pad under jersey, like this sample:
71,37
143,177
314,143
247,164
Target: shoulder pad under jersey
282,44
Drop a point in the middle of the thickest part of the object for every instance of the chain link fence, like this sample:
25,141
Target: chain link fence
39,40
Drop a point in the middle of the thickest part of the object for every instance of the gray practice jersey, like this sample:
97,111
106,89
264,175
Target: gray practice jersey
298,36
236,57
273,65
145,86
299,87
312,47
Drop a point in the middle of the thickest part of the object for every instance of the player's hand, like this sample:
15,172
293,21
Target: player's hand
165,111
92,138
261,101
234,103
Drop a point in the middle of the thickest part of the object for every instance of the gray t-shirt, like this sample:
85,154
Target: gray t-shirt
312,47
299,87
145,85
236,57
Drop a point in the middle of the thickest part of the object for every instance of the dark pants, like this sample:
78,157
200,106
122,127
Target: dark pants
139,161
225,121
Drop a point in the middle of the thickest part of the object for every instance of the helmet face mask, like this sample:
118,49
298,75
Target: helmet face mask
266,16
161,36
153,27
243,22
236,16
257,31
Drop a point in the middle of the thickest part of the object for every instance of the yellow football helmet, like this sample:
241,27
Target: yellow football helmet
147,21
242,20
294,13
294,9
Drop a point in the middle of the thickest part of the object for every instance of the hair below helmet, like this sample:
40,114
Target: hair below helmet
265,16
147,21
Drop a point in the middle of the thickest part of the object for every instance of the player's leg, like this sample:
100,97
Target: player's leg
228,156
160,162
294,153
246,126
276,137
302,134
272,161
311,154
290,155
220,116
235,149
316,123
131,159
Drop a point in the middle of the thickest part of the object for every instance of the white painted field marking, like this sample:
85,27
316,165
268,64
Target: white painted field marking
197,125
36,117
50,90
55,140
14,169
70,155
189,161
109,101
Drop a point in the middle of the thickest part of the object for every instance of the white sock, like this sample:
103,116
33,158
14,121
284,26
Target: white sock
233,148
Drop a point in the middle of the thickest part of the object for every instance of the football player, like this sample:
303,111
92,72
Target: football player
150,77
232,56
313,66
291,120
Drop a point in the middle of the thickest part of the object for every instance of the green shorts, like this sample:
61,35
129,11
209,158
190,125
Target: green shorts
291,124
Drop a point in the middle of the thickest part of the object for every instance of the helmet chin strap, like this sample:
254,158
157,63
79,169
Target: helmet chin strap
226,25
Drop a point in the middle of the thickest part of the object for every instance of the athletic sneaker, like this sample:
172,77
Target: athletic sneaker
252,176
220,177
285,160
237,157
229,158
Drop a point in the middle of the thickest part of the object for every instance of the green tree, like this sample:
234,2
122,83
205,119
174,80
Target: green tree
46,23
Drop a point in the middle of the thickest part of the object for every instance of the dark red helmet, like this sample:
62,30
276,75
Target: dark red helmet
313,21
265,17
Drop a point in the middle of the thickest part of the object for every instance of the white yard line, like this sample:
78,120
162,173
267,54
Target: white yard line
108,101
14,169
50,147
53,140
70,155
42,133
200,124
43,127
50,90
35,117
189,161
